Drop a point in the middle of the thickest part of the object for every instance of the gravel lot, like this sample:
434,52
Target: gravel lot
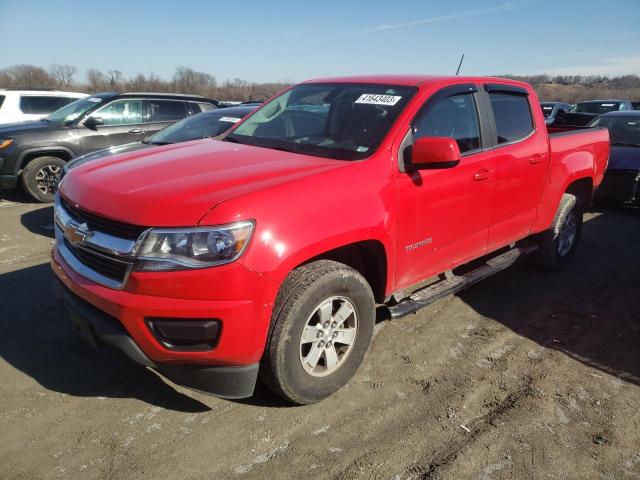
526,375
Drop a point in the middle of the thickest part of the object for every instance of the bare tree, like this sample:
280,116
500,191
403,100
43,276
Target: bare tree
62,74
96,80
115,79
28,76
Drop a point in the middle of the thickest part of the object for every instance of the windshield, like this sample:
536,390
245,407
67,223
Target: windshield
342,121
596,107
74,109
193,128
622,130
547,109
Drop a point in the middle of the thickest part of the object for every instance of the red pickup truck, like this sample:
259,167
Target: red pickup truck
267,250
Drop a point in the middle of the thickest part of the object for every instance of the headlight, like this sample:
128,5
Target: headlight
5,142
177,249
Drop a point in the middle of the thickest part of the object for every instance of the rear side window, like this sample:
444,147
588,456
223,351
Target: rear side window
455,117
513,116
206,107
42,105
167,110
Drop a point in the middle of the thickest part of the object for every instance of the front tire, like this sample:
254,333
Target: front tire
322,325
558,244
40,176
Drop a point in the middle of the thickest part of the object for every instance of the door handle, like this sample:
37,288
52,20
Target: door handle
481,175
136,131
536,159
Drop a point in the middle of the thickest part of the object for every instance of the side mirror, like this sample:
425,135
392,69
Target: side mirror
433,153
93,122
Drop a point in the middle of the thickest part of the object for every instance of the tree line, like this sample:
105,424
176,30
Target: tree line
566,88
184,80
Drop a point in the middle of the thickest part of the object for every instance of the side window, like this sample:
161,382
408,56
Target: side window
455,117
2,97
121,112
167,110
43,104
513,116
206,107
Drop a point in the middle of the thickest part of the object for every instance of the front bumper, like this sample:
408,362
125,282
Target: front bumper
104,331
8,182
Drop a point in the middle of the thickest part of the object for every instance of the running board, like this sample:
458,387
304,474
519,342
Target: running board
455,283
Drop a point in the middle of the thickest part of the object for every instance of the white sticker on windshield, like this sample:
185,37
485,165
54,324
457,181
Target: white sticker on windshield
230,119
374,99
94,99
608,104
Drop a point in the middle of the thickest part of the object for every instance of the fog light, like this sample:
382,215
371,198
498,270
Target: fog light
185,335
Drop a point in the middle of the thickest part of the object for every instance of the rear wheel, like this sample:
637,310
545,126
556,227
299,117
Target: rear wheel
558,244
322,326
40,176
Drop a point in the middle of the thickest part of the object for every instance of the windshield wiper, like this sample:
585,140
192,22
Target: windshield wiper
156,143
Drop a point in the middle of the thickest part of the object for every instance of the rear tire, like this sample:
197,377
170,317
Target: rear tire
40,176
558,244
322,325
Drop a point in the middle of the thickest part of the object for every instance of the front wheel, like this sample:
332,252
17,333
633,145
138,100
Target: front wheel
322,326
40,177
558,244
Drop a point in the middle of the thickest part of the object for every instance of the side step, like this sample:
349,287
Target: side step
454,283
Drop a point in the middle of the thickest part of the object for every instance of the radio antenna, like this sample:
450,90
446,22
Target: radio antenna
460,64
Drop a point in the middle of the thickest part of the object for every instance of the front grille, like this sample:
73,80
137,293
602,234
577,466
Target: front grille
95,222
102,263
619,185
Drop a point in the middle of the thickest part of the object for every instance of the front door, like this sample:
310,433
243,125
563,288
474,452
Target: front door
443,214
121,121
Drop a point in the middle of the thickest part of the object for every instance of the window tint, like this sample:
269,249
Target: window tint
167,110
1,100
121,112
513,116
42,105
455,117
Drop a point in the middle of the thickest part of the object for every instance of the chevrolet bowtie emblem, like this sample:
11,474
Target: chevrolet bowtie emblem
77,233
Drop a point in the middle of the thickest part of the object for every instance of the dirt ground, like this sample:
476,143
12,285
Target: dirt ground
527,375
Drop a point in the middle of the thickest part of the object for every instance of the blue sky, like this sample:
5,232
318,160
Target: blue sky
295,40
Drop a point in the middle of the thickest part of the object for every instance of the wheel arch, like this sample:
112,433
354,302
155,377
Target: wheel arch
27,155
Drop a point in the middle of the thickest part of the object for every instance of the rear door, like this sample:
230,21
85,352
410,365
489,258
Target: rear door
161,112
522,155
443,215
122,122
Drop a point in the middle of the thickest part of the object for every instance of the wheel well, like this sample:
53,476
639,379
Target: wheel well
368,258
61,154
583,189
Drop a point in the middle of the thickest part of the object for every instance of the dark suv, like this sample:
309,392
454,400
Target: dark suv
36,151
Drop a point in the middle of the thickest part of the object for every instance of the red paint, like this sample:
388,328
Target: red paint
424,221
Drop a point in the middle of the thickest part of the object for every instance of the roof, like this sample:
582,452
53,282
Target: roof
606,100
412,80
623,113
154,94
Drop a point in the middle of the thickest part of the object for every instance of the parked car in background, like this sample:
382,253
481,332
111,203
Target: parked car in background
552,110
202,125
583,112
211,261
24,105
34,152
621,182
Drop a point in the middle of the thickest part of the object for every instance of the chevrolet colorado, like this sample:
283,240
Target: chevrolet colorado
265,251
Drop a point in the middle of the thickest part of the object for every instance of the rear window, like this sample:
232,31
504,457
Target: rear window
597,107
513,116
42,105
167,110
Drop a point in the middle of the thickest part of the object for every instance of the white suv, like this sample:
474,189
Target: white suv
23,105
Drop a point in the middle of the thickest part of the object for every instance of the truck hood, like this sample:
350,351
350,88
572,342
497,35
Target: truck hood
176,185
624,158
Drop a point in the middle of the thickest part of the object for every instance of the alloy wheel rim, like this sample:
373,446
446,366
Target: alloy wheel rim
46,178
567,234
328,336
